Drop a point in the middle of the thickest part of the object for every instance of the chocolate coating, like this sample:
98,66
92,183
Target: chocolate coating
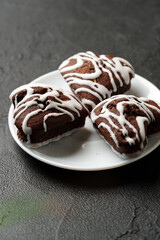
94,77
125,121
43,113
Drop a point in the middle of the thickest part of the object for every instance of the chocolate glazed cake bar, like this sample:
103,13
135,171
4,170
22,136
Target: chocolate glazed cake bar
43,113
125,121
94,77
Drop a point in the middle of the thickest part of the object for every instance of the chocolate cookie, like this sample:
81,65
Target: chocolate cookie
43,113
94,77
125,121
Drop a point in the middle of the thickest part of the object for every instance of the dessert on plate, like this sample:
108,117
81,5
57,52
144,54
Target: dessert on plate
93,77
125,121
43,113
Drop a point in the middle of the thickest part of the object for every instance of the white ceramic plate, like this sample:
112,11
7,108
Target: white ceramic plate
85,150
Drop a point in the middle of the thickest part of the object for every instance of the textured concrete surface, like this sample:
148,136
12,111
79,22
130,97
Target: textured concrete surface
38,201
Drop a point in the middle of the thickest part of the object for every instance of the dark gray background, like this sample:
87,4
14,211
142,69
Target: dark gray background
38,201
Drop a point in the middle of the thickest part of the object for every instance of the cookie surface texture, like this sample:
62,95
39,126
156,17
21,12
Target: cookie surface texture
94,77
125,121
44,113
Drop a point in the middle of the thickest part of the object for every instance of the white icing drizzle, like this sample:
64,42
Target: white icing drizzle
32,99
101,64
95,86
88,91
88,102
141,103
141,121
